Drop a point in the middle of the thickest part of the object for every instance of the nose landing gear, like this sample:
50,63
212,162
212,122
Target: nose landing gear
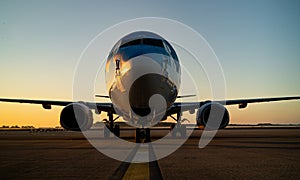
142,135
178,127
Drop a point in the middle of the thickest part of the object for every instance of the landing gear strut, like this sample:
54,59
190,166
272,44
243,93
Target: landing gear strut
142,135
111,126
178,127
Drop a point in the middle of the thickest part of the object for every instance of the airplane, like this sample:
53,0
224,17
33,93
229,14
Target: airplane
140,65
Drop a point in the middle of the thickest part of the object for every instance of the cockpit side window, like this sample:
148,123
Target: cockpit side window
170,50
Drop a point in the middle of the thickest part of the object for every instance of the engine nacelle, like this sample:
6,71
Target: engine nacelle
76,117
213,115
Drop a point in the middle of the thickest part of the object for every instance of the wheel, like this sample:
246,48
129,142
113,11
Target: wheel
183,131
172,126
138,135
117,130
148,139
143,134
106,131
173,130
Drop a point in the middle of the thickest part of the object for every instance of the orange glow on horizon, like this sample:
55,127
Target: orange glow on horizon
34,115
29,115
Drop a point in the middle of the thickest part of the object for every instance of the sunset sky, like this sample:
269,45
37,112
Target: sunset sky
257,43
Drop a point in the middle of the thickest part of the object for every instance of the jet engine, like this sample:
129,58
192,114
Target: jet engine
213,115
76,117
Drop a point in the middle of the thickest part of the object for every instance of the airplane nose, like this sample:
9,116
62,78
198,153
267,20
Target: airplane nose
145,87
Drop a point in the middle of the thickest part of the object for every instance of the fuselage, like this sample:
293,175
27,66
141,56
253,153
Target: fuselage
140,65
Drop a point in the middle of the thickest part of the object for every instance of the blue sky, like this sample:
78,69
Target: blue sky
257,43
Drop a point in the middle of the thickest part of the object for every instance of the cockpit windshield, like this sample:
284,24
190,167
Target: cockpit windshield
153,42
145,41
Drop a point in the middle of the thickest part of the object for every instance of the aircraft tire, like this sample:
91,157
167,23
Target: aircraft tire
183,131
106,131
137,135
173,130
116,130
148,139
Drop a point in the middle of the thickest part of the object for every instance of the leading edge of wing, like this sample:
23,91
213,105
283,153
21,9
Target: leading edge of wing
185,106
32,101
257,100
47,103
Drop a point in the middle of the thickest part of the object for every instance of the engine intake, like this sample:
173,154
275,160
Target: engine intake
76,117
213,115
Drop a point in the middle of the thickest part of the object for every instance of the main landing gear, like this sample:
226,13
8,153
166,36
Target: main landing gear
178,127
142,135
111,126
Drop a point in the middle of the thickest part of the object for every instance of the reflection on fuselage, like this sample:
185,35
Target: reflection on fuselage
140,65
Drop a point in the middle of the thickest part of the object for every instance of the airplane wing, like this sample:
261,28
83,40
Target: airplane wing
107,107
176,107
242,103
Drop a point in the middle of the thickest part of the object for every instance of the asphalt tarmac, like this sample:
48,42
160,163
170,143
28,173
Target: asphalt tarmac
232,154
